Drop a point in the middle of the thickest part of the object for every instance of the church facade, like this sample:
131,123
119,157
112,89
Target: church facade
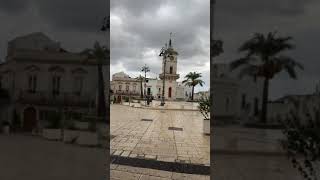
173,90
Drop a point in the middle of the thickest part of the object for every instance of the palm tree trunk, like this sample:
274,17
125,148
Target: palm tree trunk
141,92
101,109
192,93
265,101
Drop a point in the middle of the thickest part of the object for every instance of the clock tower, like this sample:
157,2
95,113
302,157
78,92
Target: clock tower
169,64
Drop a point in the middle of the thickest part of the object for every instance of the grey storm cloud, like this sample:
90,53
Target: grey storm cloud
81,15
236,21
13,6
145,24
75,23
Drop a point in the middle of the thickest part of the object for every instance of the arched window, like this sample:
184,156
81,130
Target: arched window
171,69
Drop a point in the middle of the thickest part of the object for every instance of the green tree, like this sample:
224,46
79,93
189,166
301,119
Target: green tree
100,54
193,79
263,59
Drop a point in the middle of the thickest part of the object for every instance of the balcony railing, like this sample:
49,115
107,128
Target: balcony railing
61,99
127,92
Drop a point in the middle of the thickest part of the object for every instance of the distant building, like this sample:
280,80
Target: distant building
235,99
41,78
124,86
200,94
302,105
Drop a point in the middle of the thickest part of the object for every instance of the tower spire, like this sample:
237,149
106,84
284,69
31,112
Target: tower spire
170,43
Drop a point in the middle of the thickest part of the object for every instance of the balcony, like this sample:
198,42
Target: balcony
61,99
127,92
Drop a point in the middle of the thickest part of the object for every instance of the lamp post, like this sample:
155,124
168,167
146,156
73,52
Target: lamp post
145,69
164,54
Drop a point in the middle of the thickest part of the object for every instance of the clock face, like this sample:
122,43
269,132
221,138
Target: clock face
171,58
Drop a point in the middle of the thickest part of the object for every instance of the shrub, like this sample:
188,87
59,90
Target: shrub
204,106
303,138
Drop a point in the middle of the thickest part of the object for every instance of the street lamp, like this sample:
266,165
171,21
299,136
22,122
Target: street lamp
164,54
145,69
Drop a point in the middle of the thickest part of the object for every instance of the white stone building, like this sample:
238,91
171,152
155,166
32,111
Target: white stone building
174,90
42,78
235,99
123,86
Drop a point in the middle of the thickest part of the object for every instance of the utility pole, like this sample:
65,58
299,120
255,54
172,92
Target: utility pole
145,69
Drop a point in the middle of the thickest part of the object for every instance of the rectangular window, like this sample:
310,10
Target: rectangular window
32,83
127,87
78,85
243,103
120,87
56,85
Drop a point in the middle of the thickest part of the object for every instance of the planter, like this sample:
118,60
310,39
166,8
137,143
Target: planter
88,138
70,135
52,134
206,126
6,129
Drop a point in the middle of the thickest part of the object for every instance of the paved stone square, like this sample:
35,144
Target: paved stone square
30,157
249,154
151,139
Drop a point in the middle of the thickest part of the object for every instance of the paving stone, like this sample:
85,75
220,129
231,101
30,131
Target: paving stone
150,156
125,153
117,152
133,155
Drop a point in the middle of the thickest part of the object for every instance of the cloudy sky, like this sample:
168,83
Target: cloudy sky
236,21
74,23
140,28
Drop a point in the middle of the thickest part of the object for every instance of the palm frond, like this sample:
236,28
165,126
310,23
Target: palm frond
249,70
239,62
288,64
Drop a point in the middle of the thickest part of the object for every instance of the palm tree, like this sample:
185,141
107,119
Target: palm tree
192,80
140,78
101,54
105,24
263,59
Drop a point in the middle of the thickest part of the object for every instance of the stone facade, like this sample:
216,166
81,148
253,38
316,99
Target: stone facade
123,86
42,78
